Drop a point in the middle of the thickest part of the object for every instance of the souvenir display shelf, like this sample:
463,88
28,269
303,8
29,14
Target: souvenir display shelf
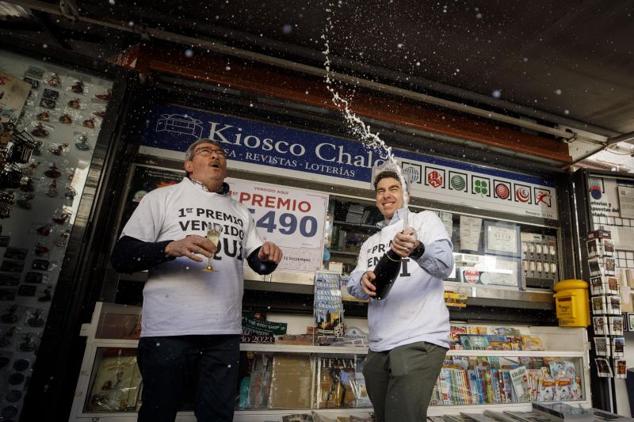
117,336
50,120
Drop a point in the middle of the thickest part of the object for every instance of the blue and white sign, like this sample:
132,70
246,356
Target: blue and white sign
291,218
257,146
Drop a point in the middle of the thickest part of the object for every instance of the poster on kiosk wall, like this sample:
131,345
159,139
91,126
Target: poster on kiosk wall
291,218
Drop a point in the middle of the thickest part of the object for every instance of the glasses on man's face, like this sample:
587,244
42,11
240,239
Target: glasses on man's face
208,152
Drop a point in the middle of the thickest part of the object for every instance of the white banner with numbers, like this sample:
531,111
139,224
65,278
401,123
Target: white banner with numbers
291,218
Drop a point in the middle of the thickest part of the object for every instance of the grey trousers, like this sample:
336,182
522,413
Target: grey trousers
400,381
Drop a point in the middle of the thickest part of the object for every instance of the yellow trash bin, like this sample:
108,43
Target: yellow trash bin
572,303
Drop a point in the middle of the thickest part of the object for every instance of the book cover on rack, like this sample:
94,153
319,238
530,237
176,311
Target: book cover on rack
260,381
327,304
616,326
362,399
519,379
613,304
603,367
618,347
291,377
620,368
600,325
507,384
599,306
336,378
116,385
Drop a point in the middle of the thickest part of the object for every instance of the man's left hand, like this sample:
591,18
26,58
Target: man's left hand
405,242
270,252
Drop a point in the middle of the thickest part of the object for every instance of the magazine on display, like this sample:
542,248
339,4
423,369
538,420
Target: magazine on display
620,368
600,325
336,382
603,367
616,326
602,346
116,385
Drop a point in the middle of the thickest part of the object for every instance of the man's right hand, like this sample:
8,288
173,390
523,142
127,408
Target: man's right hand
192,247
367,283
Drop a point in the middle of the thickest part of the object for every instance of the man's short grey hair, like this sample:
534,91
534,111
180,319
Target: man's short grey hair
189,154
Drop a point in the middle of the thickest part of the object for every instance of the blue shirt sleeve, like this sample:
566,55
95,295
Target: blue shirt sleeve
438,258
354,282
354,285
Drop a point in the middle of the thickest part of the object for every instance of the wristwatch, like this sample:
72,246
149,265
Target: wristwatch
418,251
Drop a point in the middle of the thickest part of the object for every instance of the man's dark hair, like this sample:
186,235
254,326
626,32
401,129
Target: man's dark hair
384,175
189,154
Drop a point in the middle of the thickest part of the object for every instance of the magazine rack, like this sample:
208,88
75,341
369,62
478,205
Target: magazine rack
303,378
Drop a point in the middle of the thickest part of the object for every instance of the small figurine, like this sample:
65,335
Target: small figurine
52,189
70,193
46,296
74,103
36,320
61,217
44,230
26,185
54,80
78,87
40,131
53,172
82,143
63,237
41,250
28,343
58,149
107,96
89,123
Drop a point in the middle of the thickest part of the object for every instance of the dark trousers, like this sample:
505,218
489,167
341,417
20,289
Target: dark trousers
171,366
400,381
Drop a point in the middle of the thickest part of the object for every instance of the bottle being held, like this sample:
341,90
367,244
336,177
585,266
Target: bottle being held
386,272
389,266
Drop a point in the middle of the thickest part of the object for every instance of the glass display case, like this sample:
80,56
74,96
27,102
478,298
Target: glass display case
488,367
494,258
51,120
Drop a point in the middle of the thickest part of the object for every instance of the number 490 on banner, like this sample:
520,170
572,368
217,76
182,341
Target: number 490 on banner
287,223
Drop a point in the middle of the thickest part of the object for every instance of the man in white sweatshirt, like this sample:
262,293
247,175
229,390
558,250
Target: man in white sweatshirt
191,318
409,329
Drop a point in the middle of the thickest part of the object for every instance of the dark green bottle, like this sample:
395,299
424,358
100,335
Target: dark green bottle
386,272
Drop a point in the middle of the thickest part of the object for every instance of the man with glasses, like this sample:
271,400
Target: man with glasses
191,318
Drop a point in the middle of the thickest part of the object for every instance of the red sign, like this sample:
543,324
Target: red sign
434,179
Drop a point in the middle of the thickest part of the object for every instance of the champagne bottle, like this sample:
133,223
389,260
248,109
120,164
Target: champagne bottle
386,272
